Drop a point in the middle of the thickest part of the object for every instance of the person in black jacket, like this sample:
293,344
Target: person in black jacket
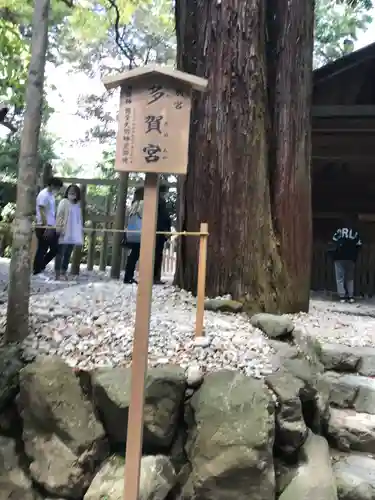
163,225
345,246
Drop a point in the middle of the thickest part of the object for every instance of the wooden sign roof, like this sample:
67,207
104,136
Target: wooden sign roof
130,77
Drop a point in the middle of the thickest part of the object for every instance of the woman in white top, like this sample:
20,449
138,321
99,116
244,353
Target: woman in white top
69,226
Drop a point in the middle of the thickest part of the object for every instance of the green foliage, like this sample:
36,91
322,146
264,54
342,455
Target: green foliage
10,148
337,23
14,59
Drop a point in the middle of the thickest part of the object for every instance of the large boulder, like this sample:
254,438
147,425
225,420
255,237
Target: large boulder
314,393
355,477
230,439
349,430
314,477
14,484
273,325
339,357
164,397
291,430
157,479
366,364
63,439
10,366
352,391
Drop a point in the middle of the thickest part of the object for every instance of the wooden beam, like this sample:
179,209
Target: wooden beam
85,182
332,156
344,111
366,217
343,123
103,182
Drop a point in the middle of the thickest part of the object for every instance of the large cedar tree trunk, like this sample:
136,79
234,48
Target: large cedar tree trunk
19,275
249,157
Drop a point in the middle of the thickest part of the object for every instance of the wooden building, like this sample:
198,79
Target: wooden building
343,162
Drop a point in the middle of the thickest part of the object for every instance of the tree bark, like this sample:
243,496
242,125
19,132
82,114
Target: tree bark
248,173
19,274
290,61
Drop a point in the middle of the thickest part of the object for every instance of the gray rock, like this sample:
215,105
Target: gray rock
352,391
164,396
10,366
314,394
157,478
194,376
366,365
281,352
314,478
341,394
339,357
272,325
349,430
14,484
309,348
355,477
291,430
223,305
63,439
230,439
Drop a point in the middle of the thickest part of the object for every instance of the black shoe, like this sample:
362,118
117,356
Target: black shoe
159,282
130,282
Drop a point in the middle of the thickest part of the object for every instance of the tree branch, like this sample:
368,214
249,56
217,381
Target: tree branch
69,3
118,38
9,126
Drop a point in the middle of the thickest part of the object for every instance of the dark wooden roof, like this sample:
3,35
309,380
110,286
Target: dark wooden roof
343,134
344,63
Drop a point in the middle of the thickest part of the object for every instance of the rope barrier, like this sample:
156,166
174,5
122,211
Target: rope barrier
106,230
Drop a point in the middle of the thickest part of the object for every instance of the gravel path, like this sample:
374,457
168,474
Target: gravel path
90,323
349,324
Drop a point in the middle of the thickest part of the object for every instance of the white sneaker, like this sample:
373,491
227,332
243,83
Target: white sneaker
351,301
342,301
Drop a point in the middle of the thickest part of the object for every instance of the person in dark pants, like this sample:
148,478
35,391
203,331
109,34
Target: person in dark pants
46,220
344,250
132,241
163,225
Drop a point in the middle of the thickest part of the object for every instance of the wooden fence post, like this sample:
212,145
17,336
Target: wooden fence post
107,225
119,224
77,254
91,250
201,288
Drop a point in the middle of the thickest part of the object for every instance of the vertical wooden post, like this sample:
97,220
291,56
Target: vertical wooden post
119,224
91,247
201,288
77,254
34,244
107,225
140,343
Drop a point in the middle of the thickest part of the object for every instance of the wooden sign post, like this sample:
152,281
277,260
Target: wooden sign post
153,137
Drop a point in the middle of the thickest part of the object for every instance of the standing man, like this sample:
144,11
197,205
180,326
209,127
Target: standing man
163,225
46,220
345,247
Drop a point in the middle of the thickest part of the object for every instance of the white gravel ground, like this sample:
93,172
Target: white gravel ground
90,323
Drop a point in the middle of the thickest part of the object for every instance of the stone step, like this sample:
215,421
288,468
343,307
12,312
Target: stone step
342,358
355,477
351,391
348,430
